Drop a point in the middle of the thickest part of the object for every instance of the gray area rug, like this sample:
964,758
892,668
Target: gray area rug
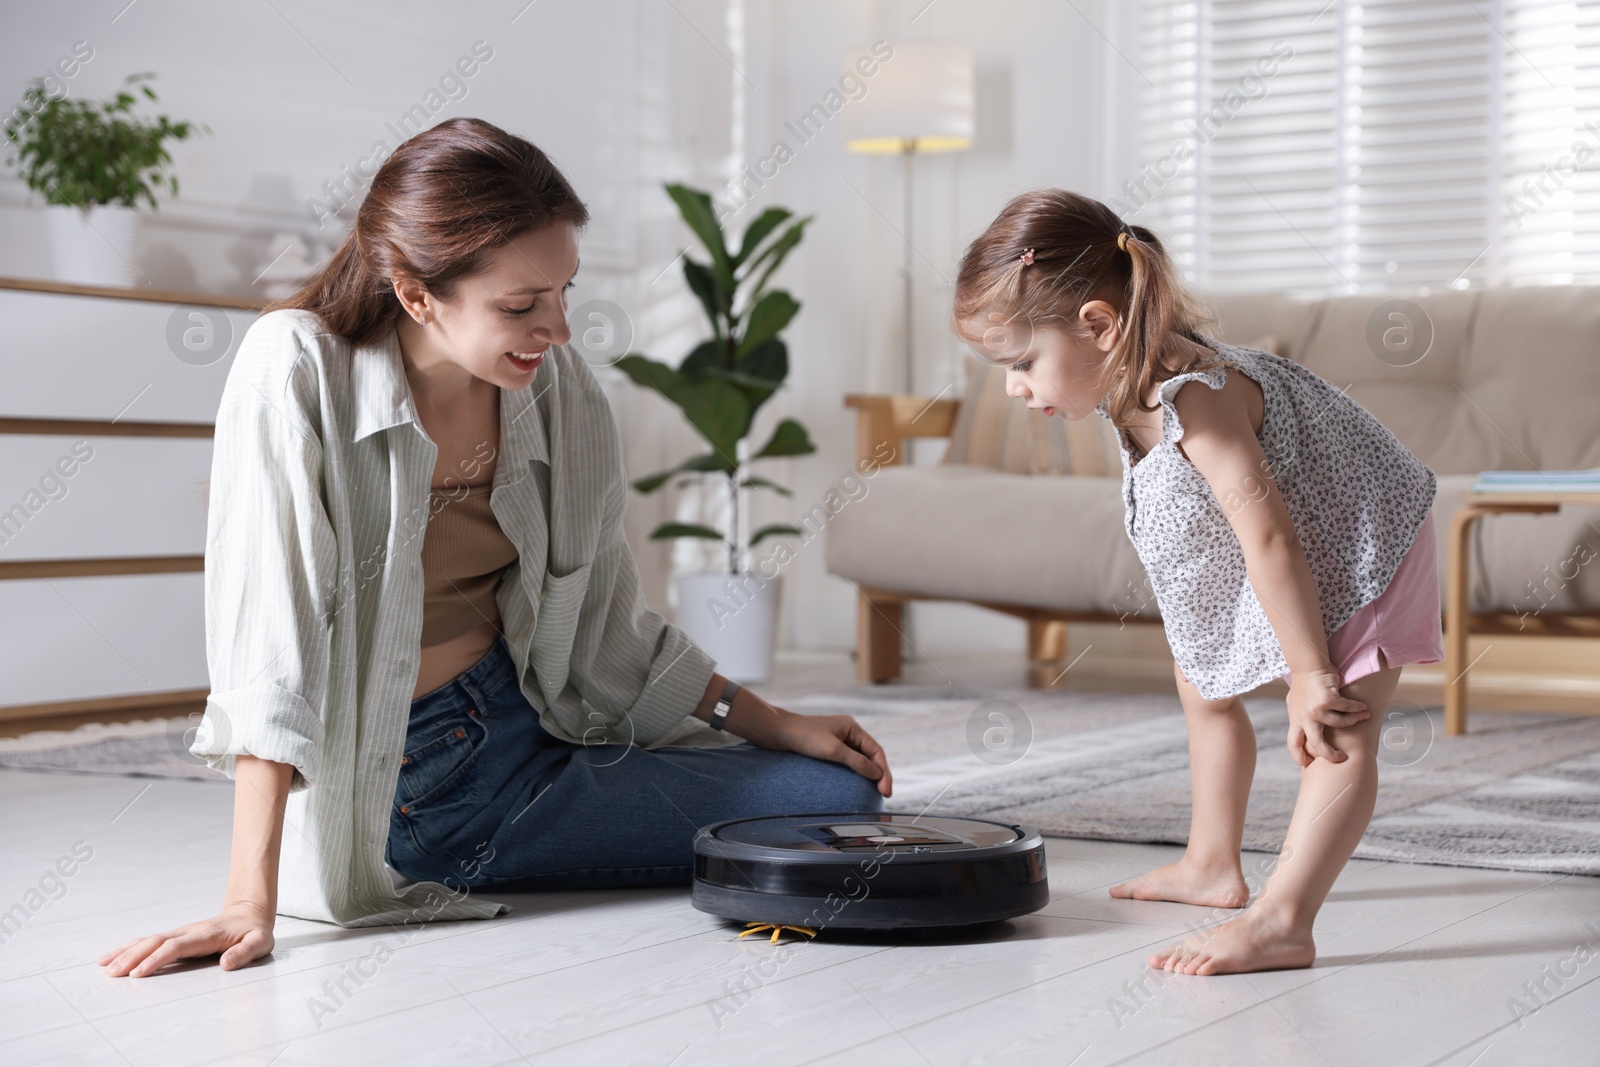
1520,792
149,748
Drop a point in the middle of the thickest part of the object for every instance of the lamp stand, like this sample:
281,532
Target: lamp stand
907,151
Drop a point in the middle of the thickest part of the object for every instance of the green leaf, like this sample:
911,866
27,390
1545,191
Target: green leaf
771,314
685,529
719,411
708,462
788,439
772,256
769,360
762,386
707,354
777,529
716,409
654,481
769,220
697,211
703,283
755,481
646,371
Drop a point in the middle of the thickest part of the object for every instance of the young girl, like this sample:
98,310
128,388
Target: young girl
1284,530
427,640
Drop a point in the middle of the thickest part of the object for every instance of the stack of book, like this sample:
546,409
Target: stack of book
1538,482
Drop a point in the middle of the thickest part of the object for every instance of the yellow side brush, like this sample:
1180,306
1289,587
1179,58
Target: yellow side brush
777,929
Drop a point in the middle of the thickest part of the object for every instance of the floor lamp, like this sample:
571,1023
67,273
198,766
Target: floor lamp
918,100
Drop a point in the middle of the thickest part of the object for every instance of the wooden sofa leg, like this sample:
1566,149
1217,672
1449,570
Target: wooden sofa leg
878,625
1047,640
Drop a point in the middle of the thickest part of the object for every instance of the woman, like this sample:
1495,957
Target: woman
418,494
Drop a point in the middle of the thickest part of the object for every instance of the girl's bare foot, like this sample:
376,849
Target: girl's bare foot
1258,940
1188,882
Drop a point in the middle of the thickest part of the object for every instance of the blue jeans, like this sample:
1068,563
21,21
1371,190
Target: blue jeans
487,797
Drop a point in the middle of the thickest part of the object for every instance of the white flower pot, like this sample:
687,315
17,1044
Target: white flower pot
733,617
93,251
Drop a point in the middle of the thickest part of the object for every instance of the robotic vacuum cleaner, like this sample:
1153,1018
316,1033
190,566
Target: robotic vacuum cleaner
868,870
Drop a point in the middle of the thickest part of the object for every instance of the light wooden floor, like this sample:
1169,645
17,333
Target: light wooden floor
1418,964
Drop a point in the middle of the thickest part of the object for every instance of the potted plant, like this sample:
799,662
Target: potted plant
720,386
91,164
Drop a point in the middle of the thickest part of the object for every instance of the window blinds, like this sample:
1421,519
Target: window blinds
1316,146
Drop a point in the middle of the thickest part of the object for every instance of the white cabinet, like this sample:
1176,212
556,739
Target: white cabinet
107,398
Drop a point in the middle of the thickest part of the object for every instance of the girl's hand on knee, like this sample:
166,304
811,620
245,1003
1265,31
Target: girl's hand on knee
1306,743
1315,703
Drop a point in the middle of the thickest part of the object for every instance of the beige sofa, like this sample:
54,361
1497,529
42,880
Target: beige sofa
1511,380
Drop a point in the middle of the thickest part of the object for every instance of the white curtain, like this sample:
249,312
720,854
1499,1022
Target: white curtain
1303,145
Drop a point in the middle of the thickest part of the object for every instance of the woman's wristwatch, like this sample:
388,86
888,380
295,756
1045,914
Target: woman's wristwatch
719,713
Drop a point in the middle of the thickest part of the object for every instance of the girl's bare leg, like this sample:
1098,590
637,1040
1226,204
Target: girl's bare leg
1222,762
1330,815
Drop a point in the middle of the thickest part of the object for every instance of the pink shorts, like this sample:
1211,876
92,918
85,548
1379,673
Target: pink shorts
1405,620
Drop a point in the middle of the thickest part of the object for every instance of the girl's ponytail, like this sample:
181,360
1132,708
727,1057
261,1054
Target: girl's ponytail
1157,299
1048,253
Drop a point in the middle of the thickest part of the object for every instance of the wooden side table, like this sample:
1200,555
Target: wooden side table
1458,622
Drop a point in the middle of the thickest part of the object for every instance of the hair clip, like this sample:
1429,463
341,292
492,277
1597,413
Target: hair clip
1027,255
1122,240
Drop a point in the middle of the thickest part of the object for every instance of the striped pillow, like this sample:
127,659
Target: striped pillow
994,430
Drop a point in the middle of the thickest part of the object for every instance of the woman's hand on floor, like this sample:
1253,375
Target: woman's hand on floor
240,932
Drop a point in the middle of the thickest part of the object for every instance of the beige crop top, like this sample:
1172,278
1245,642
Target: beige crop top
464,556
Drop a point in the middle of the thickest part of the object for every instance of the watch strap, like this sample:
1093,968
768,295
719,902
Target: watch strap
719,713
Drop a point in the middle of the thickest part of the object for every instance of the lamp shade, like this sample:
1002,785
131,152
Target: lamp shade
919,99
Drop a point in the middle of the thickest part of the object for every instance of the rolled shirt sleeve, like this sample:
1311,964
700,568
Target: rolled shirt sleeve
270,570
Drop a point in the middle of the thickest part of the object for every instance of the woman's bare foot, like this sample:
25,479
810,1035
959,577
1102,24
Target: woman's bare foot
1188,882
1258,940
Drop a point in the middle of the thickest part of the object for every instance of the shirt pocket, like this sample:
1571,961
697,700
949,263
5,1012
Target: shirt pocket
563,594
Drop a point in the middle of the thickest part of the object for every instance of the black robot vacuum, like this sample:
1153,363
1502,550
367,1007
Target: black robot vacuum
868,870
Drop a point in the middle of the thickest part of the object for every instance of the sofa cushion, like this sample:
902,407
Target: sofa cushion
965,532
1509,382
1248,319
1420,402
1532,374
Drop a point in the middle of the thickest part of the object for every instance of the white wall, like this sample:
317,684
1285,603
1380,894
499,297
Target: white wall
625,94
1056,105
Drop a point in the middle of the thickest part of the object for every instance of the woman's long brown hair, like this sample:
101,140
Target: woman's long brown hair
435,209
1076,258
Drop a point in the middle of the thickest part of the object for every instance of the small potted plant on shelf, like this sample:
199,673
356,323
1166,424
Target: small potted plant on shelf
720,386
92,162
